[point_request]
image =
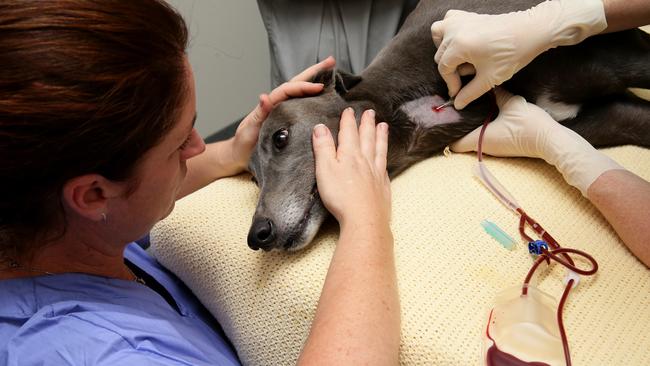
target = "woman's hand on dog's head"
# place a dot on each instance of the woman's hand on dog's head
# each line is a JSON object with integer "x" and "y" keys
{"x": 248, "y": 131}
{"x": 352, "y": 180}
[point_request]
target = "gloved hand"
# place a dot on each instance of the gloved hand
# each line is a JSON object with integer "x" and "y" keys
{"x": 500, "y": 45}
{"x": 524, "y": 129}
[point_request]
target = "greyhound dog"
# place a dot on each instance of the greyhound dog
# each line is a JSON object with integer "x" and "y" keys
{"x": 582, "y": 86}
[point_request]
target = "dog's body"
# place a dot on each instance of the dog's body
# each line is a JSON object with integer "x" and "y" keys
{"x": 582, "y": 86}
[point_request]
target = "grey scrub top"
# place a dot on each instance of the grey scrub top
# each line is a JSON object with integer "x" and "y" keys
{"x": 304, "y": 32}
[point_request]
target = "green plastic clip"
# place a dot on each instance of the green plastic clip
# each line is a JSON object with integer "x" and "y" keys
{"x": 499, "y": 235}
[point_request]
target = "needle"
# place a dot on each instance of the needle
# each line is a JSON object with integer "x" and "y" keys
{"x": 443, "y": 105}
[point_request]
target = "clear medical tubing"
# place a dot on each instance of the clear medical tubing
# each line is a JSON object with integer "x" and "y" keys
{"x": 492, "y": 184}
{"x": 481, "y": 171}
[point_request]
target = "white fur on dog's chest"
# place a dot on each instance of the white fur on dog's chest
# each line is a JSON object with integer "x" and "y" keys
{"x": 422, "y": 112}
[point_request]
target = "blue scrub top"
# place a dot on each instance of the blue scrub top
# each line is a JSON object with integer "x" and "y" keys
{"x": 78, "y": 319}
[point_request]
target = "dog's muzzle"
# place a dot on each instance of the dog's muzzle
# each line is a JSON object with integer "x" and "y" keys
{"x": 261, "y": 234}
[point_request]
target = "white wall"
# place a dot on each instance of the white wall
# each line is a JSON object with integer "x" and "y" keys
{"x": 230, "y": 57}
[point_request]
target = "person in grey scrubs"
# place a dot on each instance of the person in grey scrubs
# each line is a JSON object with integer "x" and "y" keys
{"x": 302, "y": 33}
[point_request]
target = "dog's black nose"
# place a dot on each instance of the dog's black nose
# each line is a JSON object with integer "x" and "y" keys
{"x": 261, "y": 234}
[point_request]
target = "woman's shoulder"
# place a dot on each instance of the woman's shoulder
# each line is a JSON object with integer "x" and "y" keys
{"x": 82, "y": 337}
{"x": 81, "y": 319}
{"x": 74, "y": 305}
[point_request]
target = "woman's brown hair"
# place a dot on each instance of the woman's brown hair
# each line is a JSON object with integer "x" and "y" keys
{"x": 86, "y": 86}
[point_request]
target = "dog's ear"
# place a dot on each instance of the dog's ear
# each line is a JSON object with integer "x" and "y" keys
{"x": 346, "y": 81}
{"x": 340, "y": 81}
{"x": 324, "y": 77}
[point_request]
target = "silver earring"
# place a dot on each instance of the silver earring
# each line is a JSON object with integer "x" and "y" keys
{"x": 104, "y": 219}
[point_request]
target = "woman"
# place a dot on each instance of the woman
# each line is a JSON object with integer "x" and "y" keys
{"x": 97, "y": 109}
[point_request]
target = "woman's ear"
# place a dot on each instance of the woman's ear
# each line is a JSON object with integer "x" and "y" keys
{"x": 88, "y": 195}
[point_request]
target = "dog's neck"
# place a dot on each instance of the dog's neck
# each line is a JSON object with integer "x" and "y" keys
{"x": 404, "y": 91}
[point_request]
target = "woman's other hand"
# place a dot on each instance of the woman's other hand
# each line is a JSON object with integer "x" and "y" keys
{"x": 249, "y": 129}
{"x": 352, "y": 179}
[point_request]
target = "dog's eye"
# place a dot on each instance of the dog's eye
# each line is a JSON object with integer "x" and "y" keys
{"x": 281, "y": 138}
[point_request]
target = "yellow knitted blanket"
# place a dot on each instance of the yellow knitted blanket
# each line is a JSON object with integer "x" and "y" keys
{"x": 449, "y": 269}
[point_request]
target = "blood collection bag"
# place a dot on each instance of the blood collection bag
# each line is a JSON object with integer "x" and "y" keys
{"x": 523, "y": 330}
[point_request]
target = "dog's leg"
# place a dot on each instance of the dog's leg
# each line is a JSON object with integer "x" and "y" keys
{"x": 617, "y": 120}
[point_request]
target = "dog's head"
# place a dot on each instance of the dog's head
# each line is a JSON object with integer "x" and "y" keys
{"x": 290, "y": 212}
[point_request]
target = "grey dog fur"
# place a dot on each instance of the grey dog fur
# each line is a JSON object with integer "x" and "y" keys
{"x": 595, "y": 74}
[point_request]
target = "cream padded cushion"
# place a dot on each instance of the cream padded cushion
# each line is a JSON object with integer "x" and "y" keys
{"x": 449, "y": 269}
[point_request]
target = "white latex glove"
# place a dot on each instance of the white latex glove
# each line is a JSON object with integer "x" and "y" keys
{"x": 500, "y": 45}
{"x": 524, "y": 129}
